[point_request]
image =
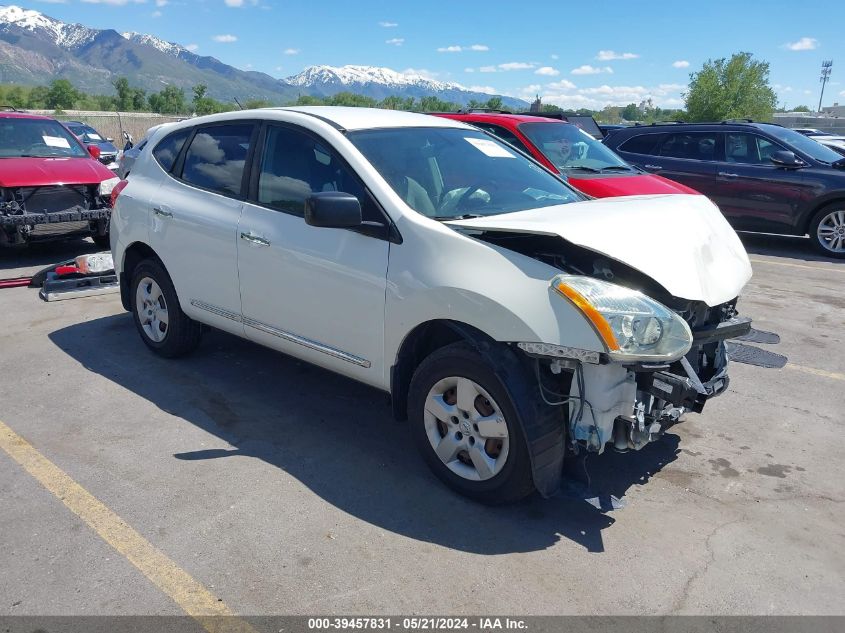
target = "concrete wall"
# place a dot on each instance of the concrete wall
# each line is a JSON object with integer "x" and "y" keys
{"x": 834, "y": 125}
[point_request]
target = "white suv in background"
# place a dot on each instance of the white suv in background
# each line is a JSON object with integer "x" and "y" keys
{"x": 508, "y": 317}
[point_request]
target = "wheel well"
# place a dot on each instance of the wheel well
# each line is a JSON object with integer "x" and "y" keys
{"x": 133, "y": 256}
{"x": 420, "y": 343}
{"x": 806, "y": 224}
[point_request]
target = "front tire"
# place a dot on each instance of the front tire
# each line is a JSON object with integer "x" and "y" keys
{"x": 827, "y": 230}
{"x": 162, "y": 325}
{"x": 466, "y": 427}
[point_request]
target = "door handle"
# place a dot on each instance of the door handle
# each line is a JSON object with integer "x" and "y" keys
{"x": 725, "y": 174}
{"x": 162, "y": 213}
{"x": 255, "y": 239}
{"x": 653, "y": 167}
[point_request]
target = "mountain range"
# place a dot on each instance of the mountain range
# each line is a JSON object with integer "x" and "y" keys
{"x": 36, "y": 49}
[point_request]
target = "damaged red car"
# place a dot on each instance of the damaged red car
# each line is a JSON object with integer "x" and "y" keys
{"x": 51, "y": 186}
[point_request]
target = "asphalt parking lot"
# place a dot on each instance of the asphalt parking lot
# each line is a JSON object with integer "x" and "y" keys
{"x": 280, "y": 488}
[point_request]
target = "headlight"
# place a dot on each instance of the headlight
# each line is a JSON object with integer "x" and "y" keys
{"x": 106, "y": 186}
{"x": 634, "y": 327}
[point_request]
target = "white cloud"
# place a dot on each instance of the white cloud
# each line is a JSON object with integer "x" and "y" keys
{"x": 804, "y": 44}
{"x": 681, "y": 63}
{"x": 606, "y": 56}
{"x": 487, "y": 69}
{"x": 586, "y": 69}
{"x": 53, "y": 1}
{"x": 156, "y": 14}
{"x": 479, "y": 47}
{"x": 225, "y": 38}
{"x": 450, "y": 49}
{"x": 161, "y": 3}
{"x": 531, "y": 90}
{"x": 469, "y": 70}
{"x": 454, "y": 48}
{"x": 291, "y": 51}
{"x": 239, "y": 3}
{"x": 515, "y": 66}
{"x": 841, "y": 94}
{"x": 563, "y": 84}
{"x": 809, "y": 92}
{"x": 485, "y": 89}
{"x": 782, "y": 88}
{"x": 192, "y": 47}
{"x": 388, "y": 25}
{"x": 547, "y": 70}
{"x": 395, "y": 41}
{"x": 553, "y": 56}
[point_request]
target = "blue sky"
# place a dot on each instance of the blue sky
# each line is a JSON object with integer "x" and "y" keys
{"x": 567, "y": 53}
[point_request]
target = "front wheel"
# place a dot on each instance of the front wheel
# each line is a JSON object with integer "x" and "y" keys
{"x": 466, "y": 427}
{"x": 827, "y": 230}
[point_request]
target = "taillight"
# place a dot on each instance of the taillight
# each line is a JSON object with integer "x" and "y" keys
{"x": 116, "y": 191}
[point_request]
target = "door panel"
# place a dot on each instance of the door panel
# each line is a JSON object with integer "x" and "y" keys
{"x": 315, "y": 293}
{"x": 753, "y": 193}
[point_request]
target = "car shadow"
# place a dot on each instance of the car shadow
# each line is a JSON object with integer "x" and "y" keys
{"x": 338, "y": 438}
{"x": 784, "y": 246}
{"x": 38, "y": 256}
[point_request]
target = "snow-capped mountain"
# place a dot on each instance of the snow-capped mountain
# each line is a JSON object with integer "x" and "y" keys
{"x": 67, "y": 36}
{"x": 378, "y": 83}
{"x": 168, "y": 48}
{"x": 363, "y": 75}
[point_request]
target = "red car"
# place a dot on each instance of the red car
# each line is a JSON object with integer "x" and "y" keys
{"x": 51, "y": 186}
{"x": 562, "y": 147}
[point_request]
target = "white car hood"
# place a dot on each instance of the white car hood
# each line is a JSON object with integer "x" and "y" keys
{"x": 681, "y": 241}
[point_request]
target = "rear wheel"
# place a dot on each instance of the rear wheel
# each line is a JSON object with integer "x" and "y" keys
{"x": 827, "y": 230}
{"x": 466, "y": 427}
{"x": 163, "y": 326}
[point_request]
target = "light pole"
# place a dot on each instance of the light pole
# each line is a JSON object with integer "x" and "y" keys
{"x": 825, "y": 76}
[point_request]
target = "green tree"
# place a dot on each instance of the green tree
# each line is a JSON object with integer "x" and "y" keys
{"x": 630, "y": 112}
{"x": 734, "y": 88}
{"x": 37, "y": 98}
{"x": 124, "y": 94}
{"x": 15, "y": 97}
{"x": 251, "y": 104}
{"x": 494, "y": 103}
{"x": 171, "y": 100}
{"x": 801, "y": 108}
{"x": 61, "y": 95}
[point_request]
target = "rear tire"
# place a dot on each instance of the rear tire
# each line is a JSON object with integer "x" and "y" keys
{"x": 162, "y": 325}
{"x": 466, "y": 427}
{"x": 827, "y": 230}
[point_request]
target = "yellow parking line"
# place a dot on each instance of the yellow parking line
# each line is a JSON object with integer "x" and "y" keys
{"x": 190, "y": 595}
{"x": 821, "y": 268}
{"x": 816, "y": 372}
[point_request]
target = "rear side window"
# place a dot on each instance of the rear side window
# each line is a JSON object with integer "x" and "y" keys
{"x": 169, "y": 147}
{"x": 216, "y": 157}
{"x": 693, "y": 146}
{"x": 504, "y": 134}
{"x": 640, "y": 144}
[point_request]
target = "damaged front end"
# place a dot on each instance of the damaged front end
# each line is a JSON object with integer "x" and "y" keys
{"x": 44, "y": 213}
{"x": 665, "y": 356}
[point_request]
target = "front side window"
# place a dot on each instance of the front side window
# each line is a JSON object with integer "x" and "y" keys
{"x": 749, "y": 149}
{"x": 37, "y": 138}
{"x": 216, "y": 157}
{"x": 569, "y": 147}
{"x": 168, "y": 148}
{"x": 296, "y": 165}
{"x": 689, "y": 145}
{"x": 446, "y": 173}
{"x": 504, "y": 134}
{"x": 808, "y": 146}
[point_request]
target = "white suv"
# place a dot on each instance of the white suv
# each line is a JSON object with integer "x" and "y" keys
{"x": 510, "y": 318}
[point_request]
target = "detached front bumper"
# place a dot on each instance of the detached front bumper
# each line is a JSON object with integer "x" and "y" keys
{"x": 70, "y": 215}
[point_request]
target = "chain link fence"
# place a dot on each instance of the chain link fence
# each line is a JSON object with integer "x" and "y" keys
{"x": 113, "y": 124}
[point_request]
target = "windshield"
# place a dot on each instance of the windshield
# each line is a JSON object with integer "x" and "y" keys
{"x": 568, "y": 147}
{"x": 802, "y": 143}
{"x": 448, "y": 173}
{"x": 37, "y": 138}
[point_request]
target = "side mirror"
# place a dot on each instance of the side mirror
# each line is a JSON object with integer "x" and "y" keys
{"x": 94, "y": 151}
{"x": 333, "y": 209}
{"x": 783, "y": 158}
{"x": 110, "y": 140}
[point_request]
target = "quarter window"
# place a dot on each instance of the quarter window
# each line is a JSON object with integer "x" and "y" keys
{"x": 695, "y": 146}
{"x": 295, "y": 165}
{"x": 216, "y": 157}
{"x": 168, "y": 149}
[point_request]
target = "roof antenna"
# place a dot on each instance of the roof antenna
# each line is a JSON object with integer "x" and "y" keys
{"x": 238, "y": 102}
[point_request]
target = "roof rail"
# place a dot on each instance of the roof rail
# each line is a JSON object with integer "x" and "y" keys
{"x": 670, "y": 122}
{"x": 8, "y": 108}
{"x": 488, "y": 110}
{"x": 738, "y": 120}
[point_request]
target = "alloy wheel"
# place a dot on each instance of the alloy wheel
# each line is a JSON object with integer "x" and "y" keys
{"x": 152, "y": 309}
{"x": 831, "y": 231}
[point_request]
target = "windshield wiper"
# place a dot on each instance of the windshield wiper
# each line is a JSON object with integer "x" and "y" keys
{"x": 582, "y": 168}
{"x": 465, "y": 216}
{"x": 617, "y": 168}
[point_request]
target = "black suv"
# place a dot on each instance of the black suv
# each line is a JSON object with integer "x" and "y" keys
{"x": 763, "y": 177}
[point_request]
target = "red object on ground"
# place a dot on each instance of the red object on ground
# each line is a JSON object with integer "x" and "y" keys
{"x": 15, "y": 283}
{"x": 603, "y": 185}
